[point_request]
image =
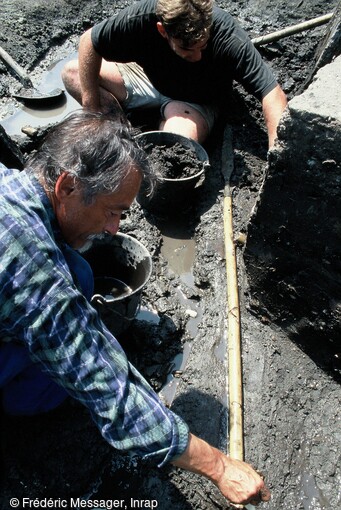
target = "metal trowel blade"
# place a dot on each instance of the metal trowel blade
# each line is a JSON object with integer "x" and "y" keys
{"x": 34, "y": 95}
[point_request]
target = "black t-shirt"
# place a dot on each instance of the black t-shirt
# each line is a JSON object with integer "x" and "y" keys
{"x": 132, "y": 36}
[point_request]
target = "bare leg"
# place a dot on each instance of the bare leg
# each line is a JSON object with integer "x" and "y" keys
{"x": 183, "y": 119}
{"x": 112, "y": 88}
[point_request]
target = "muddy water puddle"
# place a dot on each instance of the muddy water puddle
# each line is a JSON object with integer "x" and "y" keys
{"x": 148, "y": 314}
{"x": 180, "y": 255}
{"x": 43, "y": 115}
{"x": 168, "y": 392}
{"x": 311, "y": 496}
{"x": 179, "y": 252}
{"x": 194, "y": 313}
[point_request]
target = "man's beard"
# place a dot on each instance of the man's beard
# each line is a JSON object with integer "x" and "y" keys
{"x": 90, "y": 241}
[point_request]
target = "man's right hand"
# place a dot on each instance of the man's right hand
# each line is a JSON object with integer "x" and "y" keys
{"x": 237, "y": 480}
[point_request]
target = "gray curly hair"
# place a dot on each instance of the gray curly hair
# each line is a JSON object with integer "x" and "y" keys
{"x": 98, "y": 149}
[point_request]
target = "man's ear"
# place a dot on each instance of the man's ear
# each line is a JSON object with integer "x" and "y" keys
{"x": 161, "y": 29}
{"x": 64, "y": 186}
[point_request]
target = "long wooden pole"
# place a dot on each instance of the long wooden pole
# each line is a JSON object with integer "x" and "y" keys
{"x": 233, "y": 313}
{"x": 294, "y": 29}
{"x": 234, "y": 339}
{"x": 235, "y": 376}
{"x": 234, "y": 355}
{"x": 19, "y": 71}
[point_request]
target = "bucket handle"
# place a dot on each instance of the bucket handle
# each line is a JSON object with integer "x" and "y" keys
{"x": 99, "y": 299}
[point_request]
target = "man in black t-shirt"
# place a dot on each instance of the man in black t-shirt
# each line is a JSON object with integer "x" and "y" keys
{"x": 182, "y": 57}
{"x": 179, "y": 56}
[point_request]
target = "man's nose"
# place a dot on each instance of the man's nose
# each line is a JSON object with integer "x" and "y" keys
{"x": 112, "y": 226}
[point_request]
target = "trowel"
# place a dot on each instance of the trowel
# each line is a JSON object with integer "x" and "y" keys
{"x": 29, "y": 94}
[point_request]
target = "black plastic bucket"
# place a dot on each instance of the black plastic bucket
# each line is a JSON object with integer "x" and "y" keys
{"x": 121, "y": 267}
{"x": 171, "y": 192}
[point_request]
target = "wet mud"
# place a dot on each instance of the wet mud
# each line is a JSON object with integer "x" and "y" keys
{"x": 178, "y": 339}
{"x": 176, "y": 162}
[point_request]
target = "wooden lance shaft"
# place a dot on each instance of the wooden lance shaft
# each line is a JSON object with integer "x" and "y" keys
{"x": 19, "y": 71}
{"x": 234, "y": 379}
{"x": 234, "y": 340}
{"x": 294, "y": 29}
{"x": 234, "y": 357}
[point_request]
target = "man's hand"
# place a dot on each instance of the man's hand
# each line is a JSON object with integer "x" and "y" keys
{"x": 240, "y": 483}
{"x": 236, "y": 480}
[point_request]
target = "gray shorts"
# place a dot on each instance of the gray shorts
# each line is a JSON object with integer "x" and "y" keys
{"x": 142, "y": 94}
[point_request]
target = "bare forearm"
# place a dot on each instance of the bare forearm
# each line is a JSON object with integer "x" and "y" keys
{"x": 237, "y": 480}
{"x": 274, "y": 103}
{"x": 89, "y": 69}
{"x": 201, "y": 458}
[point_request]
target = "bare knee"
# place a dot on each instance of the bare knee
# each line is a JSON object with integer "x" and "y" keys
{"x": 70, "y": 79}
{"x": 184, "y": 120}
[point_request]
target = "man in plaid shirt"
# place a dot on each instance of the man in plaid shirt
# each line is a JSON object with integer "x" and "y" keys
{"x": 52, "y": 341}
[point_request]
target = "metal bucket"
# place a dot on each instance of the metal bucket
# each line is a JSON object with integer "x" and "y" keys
{"x": 121, "y": 267}
{"x": 175, "y": 192}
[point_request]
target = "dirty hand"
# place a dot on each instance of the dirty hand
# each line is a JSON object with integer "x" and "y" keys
{"x": 236, "y": 480}
{"x": 240, "y": 483}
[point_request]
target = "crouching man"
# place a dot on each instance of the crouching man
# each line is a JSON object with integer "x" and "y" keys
{"x": 52, "y": 341}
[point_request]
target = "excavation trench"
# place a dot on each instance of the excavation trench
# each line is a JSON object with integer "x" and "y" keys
{"x": 178, "y": 341}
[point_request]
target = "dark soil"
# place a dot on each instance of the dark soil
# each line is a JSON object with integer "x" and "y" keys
{"x": 175, "y": 162}
{"x": 291, "y": 399}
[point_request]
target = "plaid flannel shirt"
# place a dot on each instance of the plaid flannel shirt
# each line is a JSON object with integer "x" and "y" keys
{"x": 41, "y": 307}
